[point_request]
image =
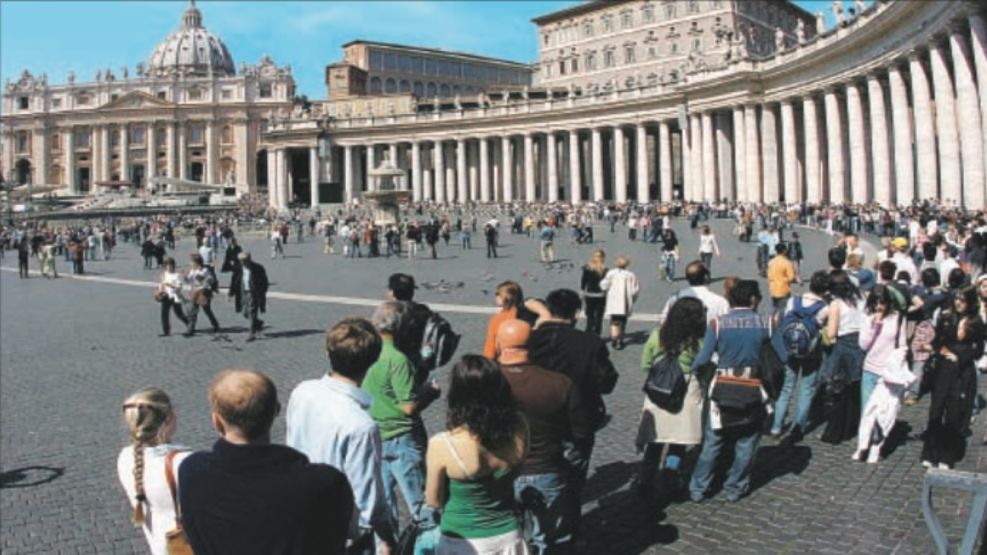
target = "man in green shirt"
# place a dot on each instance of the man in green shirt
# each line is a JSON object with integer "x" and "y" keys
{"x": 398, "y": 400}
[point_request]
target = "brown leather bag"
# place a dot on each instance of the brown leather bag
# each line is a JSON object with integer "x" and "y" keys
{"x": 159, "y": 296}
{"x": 176, "y": 541}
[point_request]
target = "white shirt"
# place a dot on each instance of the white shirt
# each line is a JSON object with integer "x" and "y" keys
{"x": 716, "y": 305}
{"x": 328, "y": 421}
{"x": 172, "y": 282}
{"x": 206, "y": 252}
{"x": 903, "y": 262}
{"x": 159, "y": 511}
{"x": 947, "y": 266}
{"x": 707, "y": 244}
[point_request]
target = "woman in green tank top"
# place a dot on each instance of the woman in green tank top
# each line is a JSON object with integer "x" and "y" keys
{"x": 471, "y": 466}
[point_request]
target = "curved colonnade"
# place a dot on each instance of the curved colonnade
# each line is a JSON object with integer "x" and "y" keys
{"x": 887, "y": 109}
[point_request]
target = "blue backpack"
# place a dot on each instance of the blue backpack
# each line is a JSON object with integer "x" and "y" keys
{"x": 799, "y": 329}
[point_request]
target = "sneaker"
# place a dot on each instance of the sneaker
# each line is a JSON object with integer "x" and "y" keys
{"x": 927, "y": 464}
{"x": 859, "y": 455}
{"x": 874, "y": 457}
{"x": 944, "y": 466}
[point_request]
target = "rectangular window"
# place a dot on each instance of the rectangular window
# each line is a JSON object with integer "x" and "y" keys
{"x": 195, "y": 135}
{"x": 697, "y": 44}
{"x": 82, "y": 138}
{"x": 195, "y": 94}
{"x": 23, "y": 102}
{"x": 574, "y": 65}
{"x": 23, "y": 142}
{"x": 717, "y": 4}
{"x": 227, "y": 94}
{"x": 114, "y": 137}
{"x": 693, "y": 6}
{"x": 55, "y": 141}
{"x": 137, "y": 135}
{"x": 162, "y": 95}
{"x": 56, "y": 103}
{"x": 608, "y": 23}
{"x": 162, "y": 136}
{"x": 669, "y": 10}
{"x": 626, "y": 20}
{"x": 562, "y": 67}
{"x": 608, "y": 58}
{"x": 265, "y": 90}
{"x": 673, "y": 48}
{"x": 648, "y": 12}
{"x": 82, "y": 100}
{"x": 588, "y": 29}
{"x": 629, "y": 57}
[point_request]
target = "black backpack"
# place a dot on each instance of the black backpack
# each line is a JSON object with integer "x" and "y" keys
{"x": 665, "y": 386}
{"x": 439, "y": 342}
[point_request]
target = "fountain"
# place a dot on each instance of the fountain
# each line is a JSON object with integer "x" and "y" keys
{"x": 385, "y": 194}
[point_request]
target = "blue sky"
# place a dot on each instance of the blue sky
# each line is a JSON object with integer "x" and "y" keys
{"x": 55, "y": 37}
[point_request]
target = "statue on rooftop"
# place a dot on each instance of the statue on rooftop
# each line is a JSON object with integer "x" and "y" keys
{"x": 779, "y": 39}
{"x": 800, "y": 31}
{"x": 820, "y": 22}
{"x": 838, "y": 12}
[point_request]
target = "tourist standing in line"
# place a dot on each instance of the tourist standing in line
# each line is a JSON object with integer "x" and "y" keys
{"x": 472, "y": 465}
{"x": 665, "y": 436}
{"x": 247, "y": 495}
{"x": 842, "y": 366}
{"x": 708, "y": 247}
{"x": 697, "y": 275}
{"x": 959, "y": 343}
{"x": 327, "y": 419}
{"x": 781, "y": 276}
{"x": 546, "y": 237}
{"x": 553, "y": 408}
{"x": 143, "y": 466}
{"x": 594, "y": 297}
{"x": 490, "y": 233}
{"x": 622, "y": 289}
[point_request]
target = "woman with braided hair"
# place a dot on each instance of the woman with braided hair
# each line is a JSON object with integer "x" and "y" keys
{"x": 151, "y": 422}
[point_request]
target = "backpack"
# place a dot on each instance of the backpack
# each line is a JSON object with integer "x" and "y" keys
{"x": 439, "y": 342}
{"x": 665, "y": 386}
{"x": 799, "y": 329}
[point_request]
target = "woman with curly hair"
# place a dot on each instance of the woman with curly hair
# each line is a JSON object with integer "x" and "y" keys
{"x": 142, "y": 465}
{"x": 473, "y": 464}
{"x": 664, "y": 434}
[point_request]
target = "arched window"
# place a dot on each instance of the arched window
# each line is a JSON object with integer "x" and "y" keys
{"x": 419, "y": 89}
{"x": 444, "y": 90}
{"x": 226, "y": 135}
{"x": 390, "y": 86}
{"x": 431, "y": 90}
{"x": 404, "y": 86}
{"x": 375, "y": 85}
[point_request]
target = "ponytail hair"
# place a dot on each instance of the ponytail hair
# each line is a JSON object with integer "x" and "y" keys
{"x": 146, "y": 414}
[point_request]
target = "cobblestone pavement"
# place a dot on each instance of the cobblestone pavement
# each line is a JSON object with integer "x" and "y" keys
{"x": 71, "y": 350}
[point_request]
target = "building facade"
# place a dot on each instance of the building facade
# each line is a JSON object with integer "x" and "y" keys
{"x": 887, "y": 106}
{"x": 187, "y": 113}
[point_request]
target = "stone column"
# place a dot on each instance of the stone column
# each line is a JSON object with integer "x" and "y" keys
{"x": 151, "y": 156}
{"x": 416, "y": 171}
{"x": 946, "y": 130}
{"x": 904, "y": 170}
{"x": 813, "y": 162}
{"x": 858, "y": 143}
{"x": 710, "y": 189}
{"x": 880, "y": 153}
{"x": 529, "y": 167}
{"x": 740, "y": 153}
{"x": 508, "y": 169}
{"x": 211, "y": 153}
{"x": 313, "y": 175}
{"x": 439, "y": 171}
{"x": 834, "y": 148}
{"x": 95, "y": 167}
{"x": 620, "y": 164}
{"x": 722, "y": 123}
{"x": 695, "y": 187}
{"x": 484, "y": 170}
{"x": 105, "y": 153}
{"x": 789, "y": 153}
{"x": 170, "y": 150}
{"x": 967, "y": 104}
{"x": 348, "y": 188}
{"x": 182, "y": 151}
{"x": 643, "y": 179}
{"x": 392, "y": 152}
{"x": 552, "y": 156}
{"x": 769, "y": 154}
{"x": 978, "y": 37}
{"x": 575, "y": 169}
{"x": 283, "y": 193}
{"x": 69, "y": 147}
{"x": 665, "y": 161}
{"x": 273, "y": 187}
{"x": 369, "y": 182}
{"x": 246, "y": 158}
{"x": 496, "y": 171}
{"x": 124, "y": 152}
{"x": 752, "y": 166}
{"x": 473, "y": 163}
{"x": 597, "y": 163}
{"x": 925, "y": 135}
{"x": 462, "y": 178}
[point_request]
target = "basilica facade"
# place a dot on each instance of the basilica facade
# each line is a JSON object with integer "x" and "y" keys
{"x": 636, "y": 100}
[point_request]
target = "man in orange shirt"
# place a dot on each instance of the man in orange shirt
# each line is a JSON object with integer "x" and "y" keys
{"x": 781, "y": 275}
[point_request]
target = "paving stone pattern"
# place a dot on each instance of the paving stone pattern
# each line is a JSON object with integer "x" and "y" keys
{"x": 72, "y": 350}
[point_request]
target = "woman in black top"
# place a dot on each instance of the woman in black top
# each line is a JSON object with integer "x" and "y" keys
{"x": 959, "y": 342}
{"x": 595, "y": 298}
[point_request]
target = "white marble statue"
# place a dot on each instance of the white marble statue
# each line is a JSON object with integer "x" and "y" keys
{"x": 71, "y": 78}
{"x": 820, "y": 22}
{"x": 457, "y": 103}
{"x": 838, "y": 12}
{"x": 99, "y": 75}
{"x": 800, "y": 31}
{"x": 779, "y": 39}
{"x": 123, "y": 72}
{"x": 860, "y": 5}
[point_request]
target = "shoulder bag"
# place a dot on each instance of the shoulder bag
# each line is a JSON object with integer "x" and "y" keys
{"x": 176, "y": 542}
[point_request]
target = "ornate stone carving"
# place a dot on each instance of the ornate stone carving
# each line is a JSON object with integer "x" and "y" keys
{"x": 99, "y": 75}
{"x": 70, "y": 78}
{"x": 779, "y": 39}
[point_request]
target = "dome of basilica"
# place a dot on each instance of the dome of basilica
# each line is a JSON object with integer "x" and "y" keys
{"x": 191, "y": 49}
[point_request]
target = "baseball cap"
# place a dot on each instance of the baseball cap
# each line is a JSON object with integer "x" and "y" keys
{"x": 900, "y": 243}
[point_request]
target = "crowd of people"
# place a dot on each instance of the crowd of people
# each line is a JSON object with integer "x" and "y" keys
{"x": 839, "y": 353}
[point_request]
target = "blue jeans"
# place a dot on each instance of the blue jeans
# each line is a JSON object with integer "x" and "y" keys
{"x": 745, "y": 442}
{"x": 806, "y": 376}
{"x": 403, "y": 465}
{"x": 867, "y": 384}
{"x": 669, "y": 267}
{"x": 544, "y": 500}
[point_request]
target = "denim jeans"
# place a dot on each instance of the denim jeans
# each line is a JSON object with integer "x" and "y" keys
{"x": 867, "y": 384}
{"x": 543, "y": 498}
{"x": 669, "y": 267}
{"x": 805, "y": 373}
{"x": 745, "y": 442}
{"x": 403, "y": 465}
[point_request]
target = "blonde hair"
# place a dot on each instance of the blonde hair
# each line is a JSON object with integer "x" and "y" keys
{"x": 510, "y": 292}
{"x": 854, "y": 261}
{"x": 598, "y": 262}
{"x": 146, "y": 414}
{"x": 622, "y": 262}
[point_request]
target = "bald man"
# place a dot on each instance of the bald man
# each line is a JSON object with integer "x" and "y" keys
{"x": 249, "y": 496}
{"x": 552, "y": 405}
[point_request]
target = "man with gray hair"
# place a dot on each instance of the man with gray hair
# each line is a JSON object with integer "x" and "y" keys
{"x": 398, "y": 400}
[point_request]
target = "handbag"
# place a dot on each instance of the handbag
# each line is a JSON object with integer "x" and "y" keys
{"x": 160, "y": 296}
{"x": 418, "y": 539}
{"x": 176, "y": 542}
{"x": 201, "y": 297}
{"x": 739, "y": 399}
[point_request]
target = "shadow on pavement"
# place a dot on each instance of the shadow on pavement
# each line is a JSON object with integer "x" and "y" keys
{"x": 30, "y": 476}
